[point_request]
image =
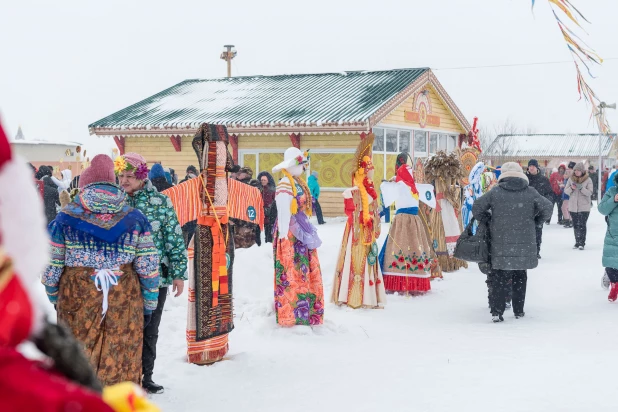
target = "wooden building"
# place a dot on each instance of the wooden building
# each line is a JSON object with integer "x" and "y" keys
{"x": 407, "y": 109}
{"x": 551, "y": 149}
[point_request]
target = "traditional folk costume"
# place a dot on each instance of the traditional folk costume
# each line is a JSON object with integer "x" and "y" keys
{"x": 424, "y": 212}
{"x": 212, "y": 199}
{"x": 358, "y": 281}
{"x": 65, "y": 380}
{"x": 446, "y": 225}
{"x": 472, "y": 191}
{"x": 406, "y": 258}
{"x": 299, "y": 294}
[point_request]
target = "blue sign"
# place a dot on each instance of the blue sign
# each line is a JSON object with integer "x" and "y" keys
{"x": 251, "y": 213}
{"x": 428, "y": 195}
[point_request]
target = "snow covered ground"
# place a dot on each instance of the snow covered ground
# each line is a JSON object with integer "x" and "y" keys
{"x": 438, "y": 352}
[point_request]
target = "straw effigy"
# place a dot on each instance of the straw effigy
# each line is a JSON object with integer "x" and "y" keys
{"x": 445, "y": 171}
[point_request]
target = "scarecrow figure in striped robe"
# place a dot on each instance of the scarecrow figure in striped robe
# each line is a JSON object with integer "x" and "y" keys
{"x": 212, "y": 199}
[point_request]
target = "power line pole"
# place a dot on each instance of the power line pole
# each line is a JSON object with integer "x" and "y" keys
{"x": 228, "y": 55}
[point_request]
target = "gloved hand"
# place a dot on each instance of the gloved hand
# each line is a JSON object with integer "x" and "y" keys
{"x": 147, "y": 319}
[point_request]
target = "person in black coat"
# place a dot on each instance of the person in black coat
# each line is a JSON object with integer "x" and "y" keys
{"x": 51, "y": 198}
{"x": 157, "y": 178}
{"x": 542, "y": 185}
{"x": 514, "y": 210}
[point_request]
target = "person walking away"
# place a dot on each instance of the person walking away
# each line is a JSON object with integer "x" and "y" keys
{"x": 51, "y": 196}
{"x": 611, "y": 182}
{"x": 579, "y": 188}
{"x": 557, "y": 184}
{"x": 542, "y": 185}
{"x": 268, "y": 189}
{"x": 594, "y": 176}
{"x": 608, "y": 208}
{"x": 565, "y": 197}
{"x": 314, "y": 187}
{"x": 514, "y": 210}
{"x": 103, "y": 274}
{"x": 157, "y": 178}
{"x": 132, "y": 173}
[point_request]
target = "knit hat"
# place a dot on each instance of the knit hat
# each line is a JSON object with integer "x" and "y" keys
{"x": 247, "y": 170}
{"x": 192, "y": 169}
{"x": 591, "y": 167}
{"x": 534, "y": 162}
{"x": 156, "y": 171}
{"x": 131, "y": 162}
{"x": 314, "y": 174}
{"x": 512, "y": 169}
{"x": 562, "y": 165}
{"x": 571, "y": 165}
{"x": 580, "y": 166}
{"x": 101, "y": 169}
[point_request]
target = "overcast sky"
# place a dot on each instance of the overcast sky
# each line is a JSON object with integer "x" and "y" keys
{"x": 65, "y": 64}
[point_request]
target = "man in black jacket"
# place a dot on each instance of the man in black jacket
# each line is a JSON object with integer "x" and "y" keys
{"x": 542, "y": 185}
{"x": 514, "y": 210}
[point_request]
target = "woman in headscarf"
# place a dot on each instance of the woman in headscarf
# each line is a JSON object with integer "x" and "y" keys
{"x": 103, "y": 275}
{"x": 299, "y": 294}
{"x": 267, "y": 188}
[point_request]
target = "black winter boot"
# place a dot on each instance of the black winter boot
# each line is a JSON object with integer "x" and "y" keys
{"x": 151, "y": 387}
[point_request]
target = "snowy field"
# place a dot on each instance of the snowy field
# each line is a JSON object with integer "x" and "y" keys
{"x": 438, "y": 352}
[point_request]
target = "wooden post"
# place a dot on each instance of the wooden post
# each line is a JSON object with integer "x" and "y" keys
{"x": 176, "y": 142}
{"x": 295, "y": 139}
{"x": 119, "y": 140}
{"x": 234, "y": 144}
{"x": 228, "y": 55}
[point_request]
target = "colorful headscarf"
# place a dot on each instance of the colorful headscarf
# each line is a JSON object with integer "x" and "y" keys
{"x": 131, "y": 162}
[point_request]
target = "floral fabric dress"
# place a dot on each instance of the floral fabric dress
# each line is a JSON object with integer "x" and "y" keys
{"x": 299, "y": 294}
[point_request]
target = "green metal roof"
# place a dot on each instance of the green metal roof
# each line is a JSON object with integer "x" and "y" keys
{"x": 267, "y": 101}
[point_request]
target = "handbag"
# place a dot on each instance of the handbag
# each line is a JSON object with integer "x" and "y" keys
{"x": 473, "y": 247}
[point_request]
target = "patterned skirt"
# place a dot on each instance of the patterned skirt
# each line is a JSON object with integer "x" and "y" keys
{"x": 299, "y": 294}
{"x": 209, "y": 321}
{"x": 406, "y": 257}
{"x": 113, "y": 343}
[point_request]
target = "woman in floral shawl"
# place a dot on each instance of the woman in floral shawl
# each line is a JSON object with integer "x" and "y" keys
{"x": 299, "y": 295}
{"x": 104, "y": 274}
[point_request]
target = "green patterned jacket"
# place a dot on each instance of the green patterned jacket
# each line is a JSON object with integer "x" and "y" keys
{"x": 166, "y": 231}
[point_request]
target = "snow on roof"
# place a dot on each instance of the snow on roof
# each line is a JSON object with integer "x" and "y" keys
{"x": 45, "y": 142}
{"x": 327, "y": 98}
{"x": 549, "y": 145}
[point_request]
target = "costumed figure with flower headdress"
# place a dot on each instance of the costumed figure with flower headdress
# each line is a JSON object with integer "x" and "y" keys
{"x": 299, "y": 294}
{"x": 211, "y": 199}
{"x": 358, "y": 281}
{"x": 406, "y": 258}
{"x": 65, "y": 379}
{"x": 446, "y": 224}
{"x": 472, "y": 191}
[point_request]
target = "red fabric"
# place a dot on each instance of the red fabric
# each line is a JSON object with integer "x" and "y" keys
{"x": 15, "y": 313}
{"x": 27, "y": 385}
{"x": 5, "y": 148}
{"x": 613, "y": 293}
{"x": 406, "y": 284}
{"x": 349, "y": 208}
{"x": 555, "y": 179}
{"x": 404, "y": 175}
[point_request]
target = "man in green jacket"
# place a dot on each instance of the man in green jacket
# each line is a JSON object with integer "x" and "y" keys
{"x": 132, "y": 173}
{"x": 314, "y": 188}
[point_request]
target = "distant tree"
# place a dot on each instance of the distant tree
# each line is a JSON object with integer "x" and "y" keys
{"x": 499, "y": 137}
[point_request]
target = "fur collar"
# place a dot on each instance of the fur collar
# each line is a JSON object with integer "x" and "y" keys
{"x": 581, "y": 179}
